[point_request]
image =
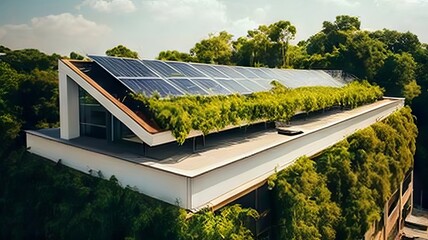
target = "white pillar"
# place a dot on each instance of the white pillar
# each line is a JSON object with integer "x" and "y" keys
{"x": 68, "y": 107}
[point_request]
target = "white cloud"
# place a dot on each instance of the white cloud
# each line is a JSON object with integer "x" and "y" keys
{"x": 258, "y": 17}
{"x": 118, "y": 6}
{"x": 345, "y": 3}
{"x": 403, "y": 1}
{"x": 172, "y": 10}
{"x": 241, "y": 26}
{"x": 61, "y": 33}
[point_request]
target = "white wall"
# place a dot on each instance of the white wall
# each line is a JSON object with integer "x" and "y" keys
{"x": 68, "y": 107}
{"x": 159, "y": 184}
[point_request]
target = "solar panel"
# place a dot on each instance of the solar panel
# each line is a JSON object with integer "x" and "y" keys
{"x": 186, "y": 69}
{"x": 138, "y": 68}
{"x": 124, "y": 67}
{"x": 234, "y": 86}
{"x": 209, "y": 70}
{"x": 253, "y": 86}
{"x": 245, "y": 72}
{"x": 187, "y": 86}
{"x": 161, "y": 68}
{"x": 112, "y": 65}
{"x": 150, "y": 86}
{"x": 177, "y": 78}
{"x": 228, "y": 71}
{"x": 259, "y": 72}
{"x": 266, "y": 83}
{"x": 212, "y": 86}
{"x": 272, "y": 73}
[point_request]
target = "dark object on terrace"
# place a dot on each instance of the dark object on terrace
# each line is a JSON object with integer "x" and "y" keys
{"x": 289, "y": 132}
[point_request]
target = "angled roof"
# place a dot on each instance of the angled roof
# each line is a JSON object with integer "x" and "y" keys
{"x": 110, "y": 80}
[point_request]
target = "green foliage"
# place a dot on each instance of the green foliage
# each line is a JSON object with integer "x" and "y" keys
{"x": 175, "y": 55}
{"x": 265, "y": 46}
{"x": 26, "y": 60}
{"x": 10, "y": 125}
{"x": 229, "y": 223}
{"x": 398, "y": 42}
{"x": 121, "y": 51}
{"x": 398, "y": 76}
{"x": 411, "y": 90}
{"x": 215, "y": 49}
{"x": 76, "y": 56}
{"x": 362, "y": 172}
{"x": 28, "y": 92}
{"x": 304, "y": 206}
{"x": 210, "y": 113}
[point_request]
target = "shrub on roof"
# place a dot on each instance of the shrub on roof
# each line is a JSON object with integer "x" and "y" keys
{"x": 211, "y": 113}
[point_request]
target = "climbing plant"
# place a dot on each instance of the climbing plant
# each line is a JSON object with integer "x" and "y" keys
{"x": 340, "y": 193}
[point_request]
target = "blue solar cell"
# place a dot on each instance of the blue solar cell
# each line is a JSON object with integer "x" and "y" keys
{"x": 186, "y": 69}
{"x": 245, "y": 72}
{"x": 162, "y": 68}
{"x": 124, "y": 67}
{"x": 187, "y": 86}
{"x": 233, "y": 86}
{"x": 228, "y": 71}
{"x": 142, "y": 76}
{"x": 149, "y": 86}
{"x": 212, "y": 86}
{"x": 139, "y": 68}
{"x": 113, "y": 65}
{"x": 209, "y": 70}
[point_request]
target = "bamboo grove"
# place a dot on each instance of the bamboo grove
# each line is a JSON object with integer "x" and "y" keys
{"x": 213, "y": 113}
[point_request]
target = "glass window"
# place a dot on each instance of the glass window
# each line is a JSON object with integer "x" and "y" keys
{"x": 93, "y": 116}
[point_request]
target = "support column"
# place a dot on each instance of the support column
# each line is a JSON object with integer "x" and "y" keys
{"x": 68, "y": 107}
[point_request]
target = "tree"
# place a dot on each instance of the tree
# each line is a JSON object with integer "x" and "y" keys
{"x": 397, "y": 42}
{"x": 76, "y": 56}
{"x": 10, "y": 124}
{"x": 216, "y": 49}
{"x": 229, "y": 223}
{"x": 265, "y": 46}
{"x": 304, "y": 205}
{"x": 282, "y": 32}
{"x": 26, "y": 60}
{"x": 174, "y": 55}
{"x": 121, "y": 51}
{"x": 397, "y": 75}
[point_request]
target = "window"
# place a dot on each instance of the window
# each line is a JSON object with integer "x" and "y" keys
{"x": 93, "y": 116}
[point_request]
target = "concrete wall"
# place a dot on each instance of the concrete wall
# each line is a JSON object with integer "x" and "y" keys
{"x": 159, "y": 184}
{"x": 69, "y": 107}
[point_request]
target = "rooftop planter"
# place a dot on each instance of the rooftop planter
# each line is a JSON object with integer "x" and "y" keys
{"x": 210, "y": 113}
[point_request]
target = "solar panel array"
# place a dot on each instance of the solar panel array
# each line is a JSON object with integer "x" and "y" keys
{"x": 168, "y": 78}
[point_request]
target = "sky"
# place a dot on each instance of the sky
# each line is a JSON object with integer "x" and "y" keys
{"x": 151, "y": 26}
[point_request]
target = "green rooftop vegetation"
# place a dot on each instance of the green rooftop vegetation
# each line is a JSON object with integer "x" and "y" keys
{"x": 213, "y": 113}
